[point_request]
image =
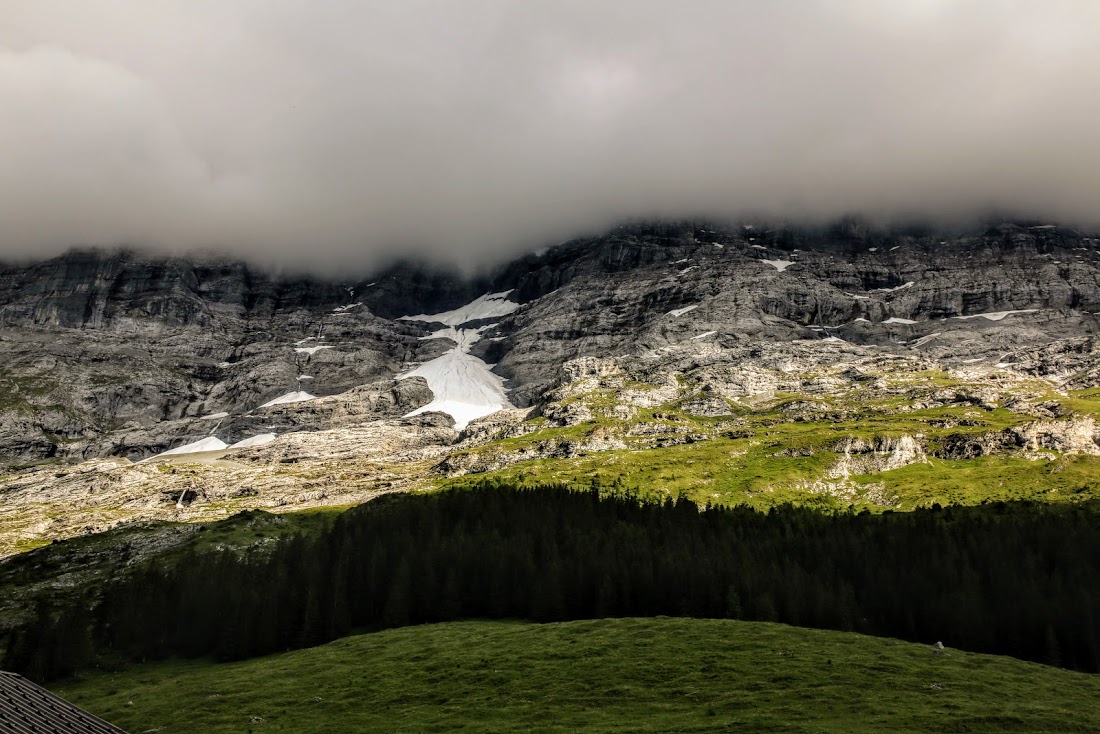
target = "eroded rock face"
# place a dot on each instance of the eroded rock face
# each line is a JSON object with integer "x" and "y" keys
{"x": 386, "y": 399}
{"x": 885, "y": 453}
{"x": 1075, "y": 436}
{"x": 620, "y": 339}
{"x": 641, "y": 288}
{"x": 118, "y": 354}
{"x": 101, "y": 344}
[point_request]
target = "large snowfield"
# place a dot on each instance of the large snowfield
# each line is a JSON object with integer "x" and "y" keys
{"x": 464, "y": 387}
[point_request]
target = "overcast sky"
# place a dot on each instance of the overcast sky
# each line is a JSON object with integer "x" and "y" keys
{"x": 332, "y": 134}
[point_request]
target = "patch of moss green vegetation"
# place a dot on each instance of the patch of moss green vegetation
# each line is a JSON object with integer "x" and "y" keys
{"x": 28, "y": 545}
{"x": 993, "y": 478}
{"x": 939, "y": 378}
{"x": 1082, "y": 402}
{"x": 55, "y": 438}
{"x": 747, "y": 471}
{"x": 16, "y": 389}
{"x": 720, "y": 471}
{"x": 11, "y": 468}
{"x": 34, "y": 385}
{"x": 781, "y": 450}
{"x": 613, "y": 675}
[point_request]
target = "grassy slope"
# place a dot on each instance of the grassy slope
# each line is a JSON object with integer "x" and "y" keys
{"x": 769, "y": 457}
{"x": 717, "y": 472}
{"x": 661, "y": 675}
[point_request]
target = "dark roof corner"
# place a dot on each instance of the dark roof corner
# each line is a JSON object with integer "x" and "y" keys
{"x": 26, "y": 708}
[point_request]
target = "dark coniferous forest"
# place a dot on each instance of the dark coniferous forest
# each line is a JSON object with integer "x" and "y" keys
{"x": 1015, "y": 579}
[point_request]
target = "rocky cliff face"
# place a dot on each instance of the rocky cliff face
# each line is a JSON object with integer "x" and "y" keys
{"x": 644, "y": 337}
{"x": 98, "y": 344}
{"x": 642, "y": 288}
{"x": 99, "y": 348}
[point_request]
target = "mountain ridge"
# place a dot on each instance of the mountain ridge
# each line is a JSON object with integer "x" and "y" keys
{"x": 645, "y": 337}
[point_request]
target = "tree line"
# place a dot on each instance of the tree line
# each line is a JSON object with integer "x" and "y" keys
{"x": 1020, "y": 579}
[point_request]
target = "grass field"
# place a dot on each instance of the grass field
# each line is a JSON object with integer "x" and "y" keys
{"x": 736, "y": 472}
{"x": 623, "y": 675}
{"x": 766, "y": 455}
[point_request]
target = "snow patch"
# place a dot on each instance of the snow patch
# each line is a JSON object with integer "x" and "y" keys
{"x": 995, "y": 315}
{"x": 924, "y": 339}
{"x": 779, "y": 265}
{"x": 898, "y": 320}
{"x": 214, "y": 416}
{"x": 311, "y": 350}
{"x": 704, "y": 335}
{"x": 677, "y": 312}
{"x": 260, "y": 440}
{"x": 901, "y": 287}
{"x": 489, "y": 306}
{"x": 298, "y": 396}
{"x": 210, "y": 443}
{"x": 463, "y": 386}
{"x": 448, "y": 332}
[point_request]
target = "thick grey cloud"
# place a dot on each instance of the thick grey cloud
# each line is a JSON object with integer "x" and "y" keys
{"x": 336, "y": 133}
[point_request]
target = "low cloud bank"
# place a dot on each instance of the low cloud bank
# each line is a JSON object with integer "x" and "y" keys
{"x": 339, "y": 135}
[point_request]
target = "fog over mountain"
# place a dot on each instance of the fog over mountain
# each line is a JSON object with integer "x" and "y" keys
{"x": 338, "y": 134}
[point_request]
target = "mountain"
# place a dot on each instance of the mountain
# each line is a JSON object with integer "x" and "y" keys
{"x": 844, "y": 364}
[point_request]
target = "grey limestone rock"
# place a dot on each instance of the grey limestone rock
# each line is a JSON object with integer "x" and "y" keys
{"x": 120, "y": 353}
